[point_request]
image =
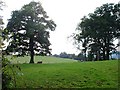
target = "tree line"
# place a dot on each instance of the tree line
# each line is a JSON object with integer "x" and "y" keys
{"x": 69, "y": 56}
{"x": 97, "y": 32}
{"x": 28, "y": 32}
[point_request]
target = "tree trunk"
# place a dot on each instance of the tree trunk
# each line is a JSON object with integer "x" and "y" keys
{"x": 107, "y": 56}
{"x": 85, "y": 55}
{"x": 108, "y": 49}
{"x": 98, "y": 55}
{"x": 104, "y": 53}
{"x": 105, "y": 49}
{"x": 31, "y": 50}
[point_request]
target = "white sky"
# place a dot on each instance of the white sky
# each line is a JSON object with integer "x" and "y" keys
{"x": 65, "y": 13}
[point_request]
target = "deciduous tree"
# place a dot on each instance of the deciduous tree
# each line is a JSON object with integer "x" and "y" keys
{"x": 28, "y": 30}
{"x": 98, "y": 31}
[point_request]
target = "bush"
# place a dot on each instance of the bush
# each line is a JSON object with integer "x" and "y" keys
{"x": 8, "y": 73}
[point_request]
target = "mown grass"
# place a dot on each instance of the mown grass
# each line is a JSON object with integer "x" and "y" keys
{"x": 99, "y": 74}
{"x": 44, "y": 59}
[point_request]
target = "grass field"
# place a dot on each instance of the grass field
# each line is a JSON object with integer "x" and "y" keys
{"x": 66, "y": 73}
{"x": 44, "y": 59}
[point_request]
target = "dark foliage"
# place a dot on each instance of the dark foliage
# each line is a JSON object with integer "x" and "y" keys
{"x": 28, "y": 31}
{"x": 97, "y": 32}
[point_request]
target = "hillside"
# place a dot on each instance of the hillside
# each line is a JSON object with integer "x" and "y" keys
{"x": 44, "y": 59}
{"x": 98, "y": 74}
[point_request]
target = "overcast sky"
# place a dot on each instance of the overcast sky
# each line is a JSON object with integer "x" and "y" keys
{"x": 65, "y": 13}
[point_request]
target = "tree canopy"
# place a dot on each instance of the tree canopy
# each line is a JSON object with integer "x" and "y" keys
{"x": 98, "y": 30}
{"x": 28, "y": 30}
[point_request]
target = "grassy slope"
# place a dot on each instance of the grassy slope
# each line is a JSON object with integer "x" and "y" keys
{"x": 44, "y": 59}
{"x": 102, "y": 74}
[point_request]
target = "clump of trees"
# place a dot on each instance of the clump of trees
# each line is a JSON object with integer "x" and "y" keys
{"x": 65, "y": 55}
{"x": 80, "y": 56}
{"x": 28, "y": 31}
{"x": 97, "y": 32}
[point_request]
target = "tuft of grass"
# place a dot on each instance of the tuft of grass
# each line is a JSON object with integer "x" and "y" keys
{"x": 99, "y": 74}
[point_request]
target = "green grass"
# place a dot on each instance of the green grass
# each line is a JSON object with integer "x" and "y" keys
{"x": 99, "y": 74}
{"x": 44, "y": 59}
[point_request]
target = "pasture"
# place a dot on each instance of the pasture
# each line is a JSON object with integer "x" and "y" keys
{"x": 44, "y": 59}
{"x": 66, "y": 73}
